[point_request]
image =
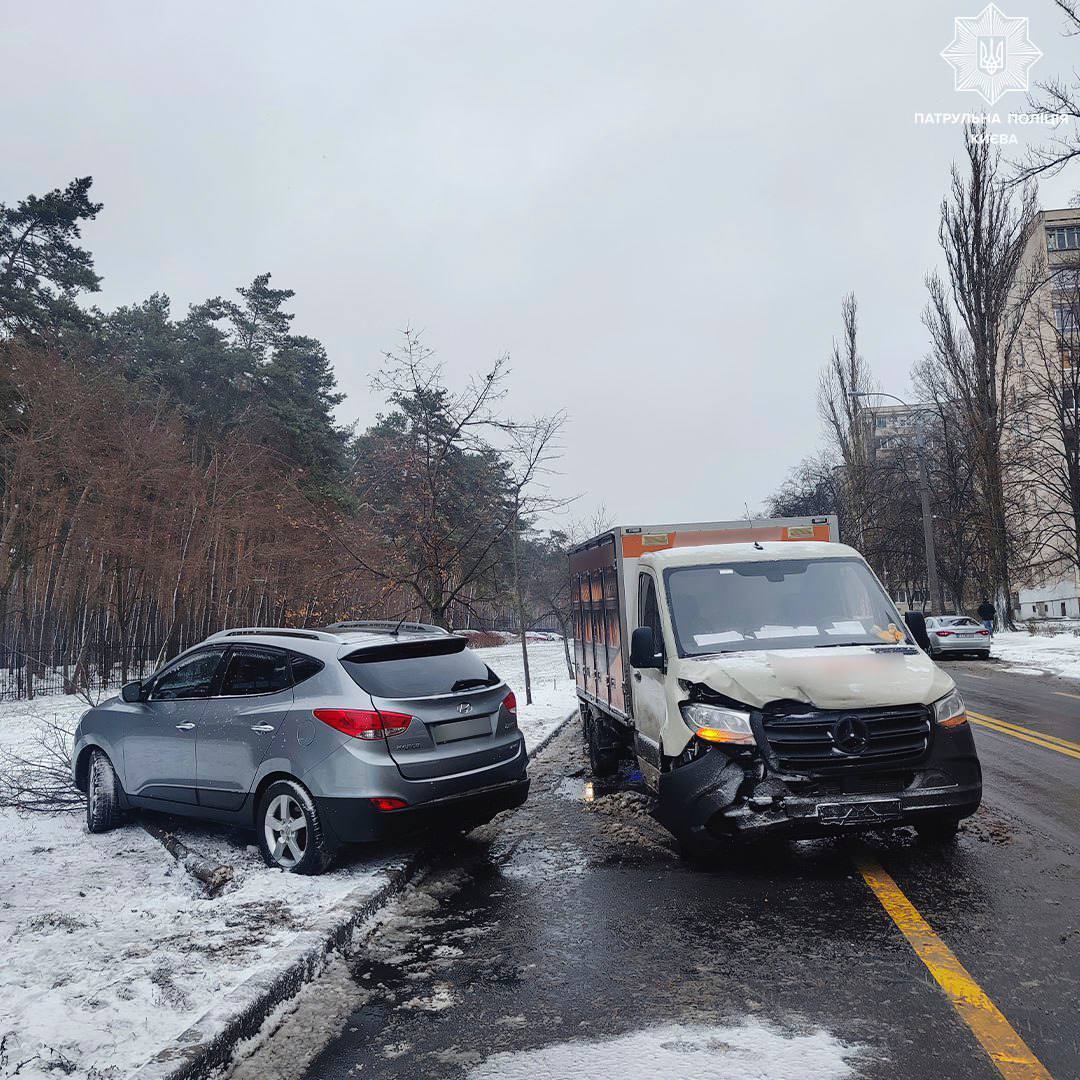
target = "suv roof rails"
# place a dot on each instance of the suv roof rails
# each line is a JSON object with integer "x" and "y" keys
{"x": 385, "y": 626}
{"x": 274, "y": 631}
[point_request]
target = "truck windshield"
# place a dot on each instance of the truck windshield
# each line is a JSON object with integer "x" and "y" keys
{"x": 781, "y": 604}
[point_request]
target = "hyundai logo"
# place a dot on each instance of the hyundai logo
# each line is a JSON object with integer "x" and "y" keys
{"x": 850, "y": 736}
{"x": 464, "y": 708}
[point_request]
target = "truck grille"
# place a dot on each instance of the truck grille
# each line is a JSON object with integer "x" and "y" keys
{"x": 807, "y": 738}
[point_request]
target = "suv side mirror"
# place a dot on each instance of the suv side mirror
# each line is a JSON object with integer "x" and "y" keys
{"x": 916, "y": 623}
{"x": 643, "y": 651}
{"x": 131, "y": 692}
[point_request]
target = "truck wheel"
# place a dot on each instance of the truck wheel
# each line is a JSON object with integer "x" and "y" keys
{"x": 603, "y": 759}
{"x": 938, "y": 830}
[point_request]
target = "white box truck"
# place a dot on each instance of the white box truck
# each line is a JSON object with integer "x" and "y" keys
{"x": 764, "y": 683}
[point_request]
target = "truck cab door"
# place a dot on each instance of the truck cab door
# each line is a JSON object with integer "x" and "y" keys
{"x": 648, "y": 686}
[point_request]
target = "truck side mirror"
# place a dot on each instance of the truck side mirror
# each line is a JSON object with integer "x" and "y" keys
{"x": 131, "y": 692}
{"x": 916, "y": 623}
{"x": 643, "y": 651}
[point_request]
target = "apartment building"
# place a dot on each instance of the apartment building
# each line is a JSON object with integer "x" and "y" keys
{"x": 1047, "y": 343}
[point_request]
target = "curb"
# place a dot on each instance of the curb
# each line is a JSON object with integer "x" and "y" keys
{"x": 210, "y": 1042}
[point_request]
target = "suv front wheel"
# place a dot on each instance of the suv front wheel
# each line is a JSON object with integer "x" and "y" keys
{"x": 291, "y": 835}
{"x": 102, "y": 794}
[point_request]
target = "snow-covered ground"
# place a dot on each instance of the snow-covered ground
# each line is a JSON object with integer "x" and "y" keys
{"x": 752, "y": 1051}
{"x": 110, "y": 948}
{"x": 1039, "y": 654}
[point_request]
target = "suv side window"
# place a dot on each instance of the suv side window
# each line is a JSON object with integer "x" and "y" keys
{"x": 303, "y": 667}
{"x": 191, "y": 678}
{"x": 649, "y": 609}
{"x": 254, "y": 671}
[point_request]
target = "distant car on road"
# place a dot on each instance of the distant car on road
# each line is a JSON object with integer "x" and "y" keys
{"x": 953, "y": 635}
{"x": 314, "y": 738}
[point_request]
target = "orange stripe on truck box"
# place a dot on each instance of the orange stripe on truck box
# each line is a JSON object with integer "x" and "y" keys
{"x": 634, "y": 545}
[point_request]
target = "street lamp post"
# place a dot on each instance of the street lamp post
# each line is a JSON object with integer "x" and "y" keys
{"x": 924, "y": 499}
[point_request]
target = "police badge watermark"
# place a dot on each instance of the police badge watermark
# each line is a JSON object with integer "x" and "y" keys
{"x": 991, "y": 55}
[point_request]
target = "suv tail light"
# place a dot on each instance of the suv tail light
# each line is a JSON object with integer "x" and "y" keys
{"x": 365, "y": 723}
{"x": 509, "y": 703}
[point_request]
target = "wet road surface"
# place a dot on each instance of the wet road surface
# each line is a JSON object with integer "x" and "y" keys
{"x": 571, "y": 921}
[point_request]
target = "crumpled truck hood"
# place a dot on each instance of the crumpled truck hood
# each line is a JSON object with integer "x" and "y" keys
{"x": 843, "y": 678}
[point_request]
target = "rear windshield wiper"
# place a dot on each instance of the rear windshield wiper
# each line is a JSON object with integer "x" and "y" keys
{"x": 470, "y": 684}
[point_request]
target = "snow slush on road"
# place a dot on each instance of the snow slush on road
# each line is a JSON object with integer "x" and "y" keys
{"x": 765, "y": 684}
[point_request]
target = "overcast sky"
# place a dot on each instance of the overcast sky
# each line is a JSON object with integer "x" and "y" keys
{"x": 654, "y": 208}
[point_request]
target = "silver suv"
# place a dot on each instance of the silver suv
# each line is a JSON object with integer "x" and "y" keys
{"x": 315, "y": 738}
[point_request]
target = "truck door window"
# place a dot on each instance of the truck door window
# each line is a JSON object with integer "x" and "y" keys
{"x": 649, "y": 609}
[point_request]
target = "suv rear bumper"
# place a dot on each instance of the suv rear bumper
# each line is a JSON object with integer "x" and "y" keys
{"x": 355, "y": 820}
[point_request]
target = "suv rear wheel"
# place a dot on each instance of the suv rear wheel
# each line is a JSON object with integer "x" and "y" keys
{"x": 291, "y": 834}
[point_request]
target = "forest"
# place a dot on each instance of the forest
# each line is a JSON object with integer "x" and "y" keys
{"x": 167, "y": 474}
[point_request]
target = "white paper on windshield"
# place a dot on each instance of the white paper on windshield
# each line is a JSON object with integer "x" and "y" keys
{"x": 718, "y": 639}
{"x": 787, "y": 631}
{"x": 851, "y": 626}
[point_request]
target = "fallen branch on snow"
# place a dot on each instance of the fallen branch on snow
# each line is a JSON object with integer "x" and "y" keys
{"x": 39, "y": 781}
{"x": 213, "y": 878}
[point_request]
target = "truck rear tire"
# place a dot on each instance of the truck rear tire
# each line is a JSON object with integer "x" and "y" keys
{"x": 603, "y": 757}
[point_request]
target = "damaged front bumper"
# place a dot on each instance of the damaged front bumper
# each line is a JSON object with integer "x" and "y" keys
{"x": 718, "y": 796}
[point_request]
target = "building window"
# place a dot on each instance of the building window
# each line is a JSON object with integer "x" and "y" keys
{"x": 1062, "y": 607}
{"x": 1065, "y": 319}
{"x": 880, "y": 422}
{"x": 1064, "y": 238}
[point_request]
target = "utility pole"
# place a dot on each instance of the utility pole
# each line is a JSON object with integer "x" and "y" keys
{"x": 933, "y": 582}
{"x": 928, "y": 535}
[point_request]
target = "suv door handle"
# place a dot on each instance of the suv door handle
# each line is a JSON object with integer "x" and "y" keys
{"x": 184, "y": 727}
{"x": 262, "y": 727}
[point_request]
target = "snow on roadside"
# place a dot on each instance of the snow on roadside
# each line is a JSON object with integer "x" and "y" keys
{"x": 752, "y": 1050}
{"x": 552, "y": 688}
{"x": 111, "y": 950}
{"x": 1038, "y": 654}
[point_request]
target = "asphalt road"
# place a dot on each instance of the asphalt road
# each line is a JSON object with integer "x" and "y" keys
{"x": 575, "y": 922}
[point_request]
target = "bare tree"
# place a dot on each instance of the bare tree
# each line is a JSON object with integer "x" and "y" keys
{"x": 1059, "y": 98}
{"x": 445, "y": 483}
{"x": 844, "y": 378}
{"x": 974, "y": 319}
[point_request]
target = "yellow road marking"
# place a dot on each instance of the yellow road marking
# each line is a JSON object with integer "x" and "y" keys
{"x": 1028, "y": 731}
{"x": 996, "y": 1035}
{"x": 1047, "y": 742}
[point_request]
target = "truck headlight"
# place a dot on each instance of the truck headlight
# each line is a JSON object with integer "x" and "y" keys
{"x": 719, "y": 725}
{"x": 949, "y": 711}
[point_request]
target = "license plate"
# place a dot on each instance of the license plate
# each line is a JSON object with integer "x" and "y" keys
{"x": 859, "y": 813}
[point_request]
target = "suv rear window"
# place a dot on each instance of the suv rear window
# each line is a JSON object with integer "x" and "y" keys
{"x": 418, "y": 669}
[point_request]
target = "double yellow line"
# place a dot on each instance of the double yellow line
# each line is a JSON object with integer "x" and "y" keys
{"x": 1037, "y": 738}
{"x": 1006, "y": 1049}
